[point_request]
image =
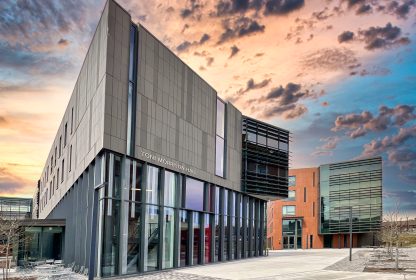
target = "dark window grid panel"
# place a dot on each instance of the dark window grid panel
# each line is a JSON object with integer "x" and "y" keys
{"x": 262, "y": 154}
{"x": 250, "y": 125}
{"x": 358, "y": 176}
{"x": 366, "y": 162}
{"x": 265, "y": 187}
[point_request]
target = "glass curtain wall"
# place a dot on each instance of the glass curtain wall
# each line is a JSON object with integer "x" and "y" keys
{"x": 165, "y": 219}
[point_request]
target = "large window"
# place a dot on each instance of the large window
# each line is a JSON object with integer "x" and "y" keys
{"x": 152, "y": 185}
{"x": 288, "y": 210}
{"x": 169, "y": 238}
{"x": 133, "y": 238}
{"x": 194, "y": 197}
{"x": 219, "y": 141}
{"x": 170, "y": 189}
{"x": 151, "y": 240}
{"x": 184, "y": 235}
{"x": 207, "y": 238}
{"x": 196, "y": 243}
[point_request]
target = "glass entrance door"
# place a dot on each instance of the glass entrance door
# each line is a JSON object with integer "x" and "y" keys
{"x": 289, "y": 242}
{"x": 292, "y": 233}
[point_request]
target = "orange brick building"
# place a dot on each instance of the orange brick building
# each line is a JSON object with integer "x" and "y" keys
{"x": 293, "y": 223}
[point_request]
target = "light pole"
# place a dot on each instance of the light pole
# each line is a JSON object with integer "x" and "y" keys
{"x": 350, "y": 233}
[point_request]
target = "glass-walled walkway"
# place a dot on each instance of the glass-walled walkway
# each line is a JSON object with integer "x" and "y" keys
{"x": 153, "y": 218}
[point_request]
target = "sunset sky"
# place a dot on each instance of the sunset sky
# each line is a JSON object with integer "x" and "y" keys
{"x": 340, "y": 75}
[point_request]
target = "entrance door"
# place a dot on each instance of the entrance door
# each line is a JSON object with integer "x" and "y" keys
{"x": 289, "y": 242}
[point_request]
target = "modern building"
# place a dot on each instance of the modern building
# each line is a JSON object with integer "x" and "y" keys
{"x": 316, "y": 213}
{"x": 15, "y": 208}
{"x": 150, "y": 169}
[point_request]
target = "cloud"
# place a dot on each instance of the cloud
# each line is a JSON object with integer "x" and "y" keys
{"x": 193, "y": 9}
{"x": 328, "y": 147}
{"x": 345, "y": 36}
{"x": 204, "y": 38}
{"x": 227, "y": 7}
{"x": 241, "y": 27}
{"x": 210, "y": 60}
{"x": 364, "y": 9}
{"x": 358, "y": 125}
{"x": 269, "y": 7}
{"x": 287, "y": 112}
{"x": 63, "y": 42}
{"x": 234, "y": 51}
{"x": 329, "y": 59}
{"x": 284, "y": 102}
{"x": 185, "y": 45}
{"x": 11, "y": 183}
{"x": 377, "y": 147}
{"x": 400, "y": 10}
{"x": 253, "y": 85}
{"x": 404, "y": 158}
{"x": 383, "y": 37}
{"x": 282, "y": 7}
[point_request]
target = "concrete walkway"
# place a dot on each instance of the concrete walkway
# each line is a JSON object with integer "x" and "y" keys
{"x": 288, "y": 264}
{"x": 285, "y": 264}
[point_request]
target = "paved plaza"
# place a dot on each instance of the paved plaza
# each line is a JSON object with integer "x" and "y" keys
{"x": 299, "y": 264}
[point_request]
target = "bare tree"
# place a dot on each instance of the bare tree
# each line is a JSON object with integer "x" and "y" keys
{"x": 393, "y": 232}
{"x": 10, "y": 232}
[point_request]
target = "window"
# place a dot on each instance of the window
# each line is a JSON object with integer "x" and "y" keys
{"x": 63, "y": 172}
{"x": 194, "y": 197}
{"x": 261, "y": 140}
{"x": 292, "y": 181}
{"x": 151, "y": 241}
{"x": 291, "y": 195}
{"x": 65, "y": 133}
{"x": 273, "y": 170}
{"x": 283, "y": 146}
{"x": 72, "y": 119}
{"x": 57, "y": 179}
{"x": 313, "y": 180}
{"x": 170, "y": 189}
{"x": 272, "y": 143}
{"x": 304, "y": 194}
{"x": 169, "y": 237}
{"x": 251, "y": 166}
{"x": 219, "y": 140}
{"x": 289, "y": 210}
{"x": 60, "y": 146}
{"x": 220, "y": 118}
{"x": 70, "y": 158}
{"x": 152, "y": 185}
{"x": 251, "y": 137}
{"x": 55, "y": 156}
{"x": 261, "y": 168}
{"x": 219, "y": 156}
{"x": 313, "y": 209}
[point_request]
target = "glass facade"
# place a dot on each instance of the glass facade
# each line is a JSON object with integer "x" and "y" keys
{"x": 15, "y": 208}
{"x": 175, "y": 221}
{"x": 40, "y": 243}
{"x": 355, "y": 185}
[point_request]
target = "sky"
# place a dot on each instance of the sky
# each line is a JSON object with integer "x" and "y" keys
{"x": 340, "y": 75}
